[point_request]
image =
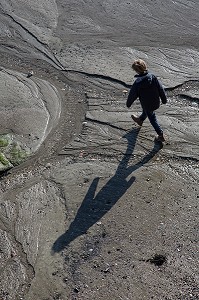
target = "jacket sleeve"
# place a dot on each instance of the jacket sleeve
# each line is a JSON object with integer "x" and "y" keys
{"x": 161, "y": 91}
{"x": 133, "y": 94}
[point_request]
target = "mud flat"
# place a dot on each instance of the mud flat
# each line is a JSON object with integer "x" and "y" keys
{"x": 90, "y": 206}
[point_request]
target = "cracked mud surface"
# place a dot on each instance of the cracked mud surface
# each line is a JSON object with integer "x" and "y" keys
{"x": 90, "y": 206}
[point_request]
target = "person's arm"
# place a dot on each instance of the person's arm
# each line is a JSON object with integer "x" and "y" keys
{"x": 133, "y": 94}
{"x": 161, "y": 91}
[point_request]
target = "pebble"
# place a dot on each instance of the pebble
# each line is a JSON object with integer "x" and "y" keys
{"x": 30, "y": 74}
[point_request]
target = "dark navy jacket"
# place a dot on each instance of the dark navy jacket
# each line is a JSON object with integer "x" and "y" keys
{"x": 149, "y": 90}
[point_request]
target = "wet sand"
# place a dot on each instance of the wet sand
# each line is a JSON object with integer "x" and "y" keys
{"x": 91, "y": 206}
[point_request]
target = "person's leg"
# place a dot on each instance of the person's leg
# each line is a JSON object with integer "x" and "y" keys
{"x": 154, "y": 122}
{"x": 139, "y": 120}
{"x": 143, "y": 116}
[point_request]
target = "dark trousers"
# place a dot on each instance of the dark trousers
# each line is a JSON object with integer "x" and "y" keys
{"x": 153, "y": 120}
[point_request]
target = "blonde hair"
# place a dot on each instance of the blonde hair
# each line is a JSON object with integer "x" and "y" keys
{"x": 139, "y": 66}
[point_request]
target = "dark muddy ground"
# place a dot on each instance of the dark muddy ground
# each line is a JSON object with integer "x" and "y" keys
{"x": 91, "y": 206}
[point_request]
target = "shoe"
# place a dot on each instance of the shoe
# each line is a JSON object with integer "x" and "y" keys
{"x": 160, "y": 138}
{"x": 137, "y": 120}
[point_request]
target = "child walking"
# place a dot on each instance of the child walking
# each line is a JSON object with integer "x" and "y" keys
{"x": 149, "y": 90}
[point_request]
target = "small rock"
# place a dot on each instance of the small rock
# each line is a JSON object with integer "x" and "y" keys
{"x": 157, "y": 260}
{"x": 81, "y": 154}
{"x": 106, "y": 270}
{"x": 30, "y": 74}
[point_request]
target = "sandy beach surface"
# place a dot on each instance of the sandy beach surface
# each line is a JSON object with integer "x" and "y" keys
{"x": 91, "y": 207}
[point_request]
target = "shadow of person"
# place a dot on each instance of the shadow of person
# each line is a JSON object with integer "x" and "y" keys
{"x": 94, "y": 207}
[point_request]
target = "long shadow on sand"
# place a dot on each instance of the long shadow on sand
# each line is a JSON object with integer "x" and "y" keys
{"x": 94, "y": 207}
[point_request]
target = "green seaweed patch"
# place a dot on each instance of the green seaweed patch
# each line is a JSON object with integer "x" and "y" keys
{"x": 17, "y": 154}
{"x": 4, "y": 163}
{"x": 4, "y": 141}
{"x": 3, "y": 160}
